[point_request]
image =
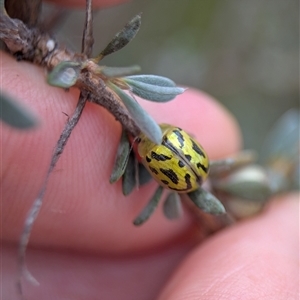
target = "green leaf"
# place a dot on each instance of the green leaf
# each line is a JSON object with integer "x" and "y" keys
{"x": 121, "y": 158}
{"x": 153, "y": 79}
{"x": 149, "y": 209}
{"x": 65, "y": 74}
{"x": 207, "y": 202}
{"x": 123, "y": 37}
{"x": 153, "y": 88}
{"x": 282, "y": 142}
{"x": 144, "y": 175}
{"x": 119, "y": 71}
{"x": 221, "y": 166}
{"x": 129, "y": 178}
{"x": 249, "y": 182}
{"x": 143, "y": 120}
{"x": 15, "y": 114}
{"x": 172, "y": 207}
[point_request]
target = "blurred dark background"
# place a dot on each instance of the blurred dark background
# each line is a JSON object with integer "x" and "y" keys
{"x": 244, "y": 53}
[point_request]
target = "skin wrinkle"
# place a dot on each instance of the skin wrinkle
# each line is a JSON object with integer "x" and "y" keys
{"x": 216, "y": 281}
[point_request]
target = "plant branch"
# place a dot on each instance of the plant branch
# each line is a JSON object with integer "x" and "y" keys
{"x": 27, "y": 11}
{"x": 42, "y": 49}
{"x": 87, "y": 38}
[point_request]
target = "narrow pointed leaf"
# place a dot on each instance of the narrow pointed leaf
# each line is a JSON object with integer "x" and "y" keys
{"x": 153, "y": 88}
{"x": 129, "y": 179}
{"x": 245, "y": 157}
{"x": 144, "y": 175}
{"x": 153, "y": 92}
{"x": 65, "y": 74}
{"x": 207, "y": 202}
{"x": 149, "y": 209}
{"x": 153, "y": 79}
{"x": 15, "y": 114}
{"x": 120, "y": 71}
{"x": 121, "y": 158}
{"x": 143, "y": 120}
{"x": 172, "y": 206}
{"x": 123, "y": 37}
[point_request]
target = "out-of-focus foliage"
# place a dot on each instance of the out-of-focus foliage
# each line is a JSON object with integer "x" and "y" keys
{"x": 281, "y": 152}
{"x": 246, "y": 189}
{"x": 15, "y": 114}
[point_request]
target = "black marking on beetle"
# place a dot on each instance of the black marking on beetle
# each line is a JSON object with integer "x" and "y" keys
{"x": 169, "y": 145}
{"x": 205, "y": 169}
{"x": 178, "y": 190}
{"x": 188, "y": 157}
{"x": 181, "y": 164}
{"x": 165, "y": 181}
{"x": 153, "y": 170}
{"x": 197, "y": 149}
{"x": 180, "y": 137}
{"x": 170, "y": 174}
{"x": 187, "y": 178}
{"x": 159, "y": 157}
{"x": 148, "y": 159}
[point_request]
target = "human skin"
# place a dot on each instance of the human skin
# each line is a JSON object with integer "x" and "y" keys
{"x": 84, "y": 245}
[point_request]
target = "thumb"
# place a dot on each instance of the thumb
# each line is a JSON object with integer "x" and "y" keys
{"x": 256, "y": 259}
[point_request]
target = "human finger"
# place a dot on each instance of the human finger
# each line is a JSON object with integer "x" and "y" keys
{"x": 81, "y": 209}
{"x": 256, "y": 259}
